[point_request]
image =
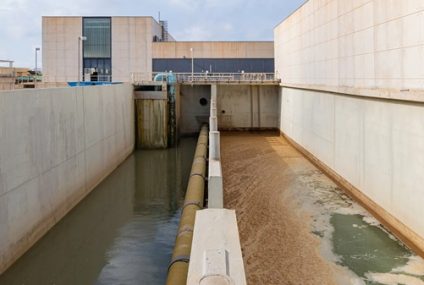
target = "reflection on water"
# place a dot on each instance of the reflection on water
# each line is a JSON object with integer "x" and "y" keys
{"x": 122, "y": 233}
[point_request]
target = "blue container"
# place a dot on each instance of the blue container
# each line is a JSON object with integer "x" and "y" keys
{"x": 93, "y": 83}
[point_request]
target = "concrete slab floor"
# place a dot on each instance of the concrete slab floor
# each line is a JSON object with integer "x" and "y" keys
{"x": 297, "y": 227}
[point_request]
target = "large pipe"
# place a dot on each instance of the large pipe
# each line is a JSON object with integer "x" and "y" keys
{"x": 194, "y": 199}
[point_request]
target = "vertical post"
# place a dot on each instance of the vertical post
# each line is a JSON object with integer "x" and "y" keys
{"x": 192, "y": 64}
{"x": 79, "y": 60}
{"x": 80, "y": 39}
{"x": 213, "y": 124}
{"x": 215, "y": 152}
{"x": 214, "y": 100}
{"x": 36, "y": 65}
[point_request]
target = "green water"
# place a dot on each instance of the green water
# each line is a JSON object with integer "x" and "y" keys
{"x": 365, "y": 248}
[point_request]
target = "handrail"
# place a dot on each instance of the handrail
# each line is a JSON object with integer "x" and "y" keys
{"x": 137, "y": 77}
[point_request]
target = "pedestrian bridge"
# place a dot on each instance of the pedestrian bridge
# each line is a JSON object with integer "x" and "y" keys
{"x": 210, "y": 78}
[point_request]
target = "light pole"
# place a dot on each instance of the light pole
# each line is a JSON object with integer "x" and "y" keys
{"x": 36, "y": 59}
{"x": 192, "y": 64}
{"x": 80, "y": 39}
{"x": 37, "y": 49}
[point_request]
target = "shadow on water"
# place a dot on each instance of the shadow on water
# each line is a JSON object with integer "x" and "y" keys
{"x": 122, "y": 233}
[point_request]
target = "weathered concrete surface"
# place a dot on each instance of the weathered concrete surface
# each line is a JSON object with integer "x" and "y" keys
{"x": 276, "y": 239}
{"x": 56, "y": 145}
{"x": 192, "y": 114}
{"x": 60, "y": 48}
{"x": 152, "y": 122}
{"x": 240, "y": 106}
{"x": 132, "y": 39}
{"x": 216, "y": 254}
{"x": 248, "y": 107}
{"x": 373, "y": 145}
{"x": 354, "y": 43}
{"x": 370, "y": 141}
{"x": 7, "y": 83}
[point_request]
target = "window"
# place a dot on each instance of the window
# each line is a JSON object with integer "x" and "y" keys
{"x": 97, "y": 49}
{"x": 98, "y": 33}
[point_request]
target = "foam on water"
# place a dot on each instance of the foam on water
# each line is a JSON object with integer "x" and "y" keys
{"x": 361, "y": 250}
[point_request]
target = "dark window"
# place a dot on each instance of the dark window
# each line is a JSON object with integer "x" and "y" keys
{"x": 218, "y": 65}
{"x": 98, "y": 43}
{"x": 97, "y": 48}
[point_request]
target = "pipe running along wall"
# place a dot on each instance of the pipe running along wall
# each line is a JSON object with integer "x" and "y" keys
{"x": 194, "y": 199}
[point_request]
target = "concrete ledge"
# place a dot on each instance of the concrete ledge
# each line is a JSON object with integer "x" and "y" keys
{"x": 150, "y": 95}
{"x": 216, "y": 256}
{"x": 408, "y": 95}
{"x": 399, "y": 229}
{"x": 215, "y": 185}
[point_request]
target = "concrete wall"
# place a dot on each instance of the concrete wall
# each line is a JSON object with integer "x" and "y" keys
{"x": 375, "y": 145}
{"x": 239, "y": 107}
{"x": 349, "y": 69}
{"x": 7, "y": 83}
{"x": 355, "y": 43}
{"x": 152, "y": 120}
{"x": 132, "y": 39}
{"x": 213, "y": 49}
{"x": 60, "y": 48}
{"x": 248, "y": 107}
{"x": 193, "y": 115}
{"x": 56, "y": 145}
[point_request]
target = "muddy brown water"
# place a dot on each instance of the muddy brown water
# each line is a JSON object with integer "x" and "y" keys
{"x": 297, "y": 227}
{"x": 121, "y": 233}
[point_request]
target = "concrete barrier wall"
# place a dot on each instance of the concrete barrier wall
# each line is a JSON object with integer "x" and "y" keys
{"x": 356, "y": 43}
{"x": 351, "y": 99}
{"x": 248, "y": 107}
{"x": 192, "y": 114}
{"x": 238, "y": 107}
{"x": 56, "y": 145}
{"x": 375, "y": 145}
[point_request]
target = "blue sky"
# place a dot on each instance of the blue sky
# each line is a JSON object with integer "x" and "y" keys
{"x": 20, "y": 31}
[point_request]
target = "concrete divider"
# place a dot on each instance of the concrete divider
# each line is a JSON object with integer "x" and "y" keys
{"x": 216, "y": 256}
{"x": 216, "y": 253}
{"x": 213, "y": 124}
{"x": 215, "y": 186}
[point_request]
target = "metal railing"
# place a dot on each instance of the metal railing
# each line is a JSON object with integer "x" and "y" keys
{"x": 137, "y": 77}
{"x": 97, "y": 78}
{"x": 225, "y": 77}
{"x": 28, "y": 79}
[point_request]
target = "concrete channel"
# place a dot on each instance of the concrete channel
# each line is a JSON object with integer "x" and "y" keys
{"x": 298, "y": 227}
{"x": 121, "y": 233}
{"x": 268, "y": 215}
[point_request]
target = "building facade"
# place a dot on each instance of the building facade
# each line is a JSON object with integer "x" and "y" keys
{"x": 214, "y": 57}
{"x": 117, "y": 48}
